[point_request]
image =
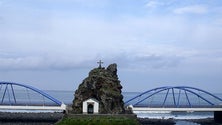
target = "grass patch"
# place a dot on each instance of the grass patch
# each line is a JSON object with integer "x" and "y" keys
{"x": 98, "y": 120}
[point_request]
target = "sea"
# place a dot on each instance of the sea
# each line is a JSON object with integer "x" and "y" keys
{"x": 68, "y": 96}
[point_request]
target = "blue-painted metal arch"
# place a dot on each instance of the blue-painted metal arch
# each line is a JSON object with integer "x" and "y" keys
{"x": 11, "y": 84}
{"x": 186, "y": 89}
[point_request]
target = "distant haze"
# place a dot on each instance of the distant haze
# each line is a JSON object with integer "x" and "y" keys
{"x": 53, "y": 44}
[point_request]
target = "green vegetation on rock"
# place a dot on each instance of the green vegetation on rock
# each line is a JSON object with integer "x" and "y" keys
{"x": 99, "y": 120}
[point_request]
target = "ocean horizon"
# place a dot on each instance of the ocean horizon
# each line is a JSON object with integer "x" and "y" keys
{"x": 68, "y": 96}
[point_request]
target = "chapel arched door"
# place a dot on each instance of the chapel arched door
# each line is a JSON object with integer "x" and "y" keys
{"x": 90, "y": 108}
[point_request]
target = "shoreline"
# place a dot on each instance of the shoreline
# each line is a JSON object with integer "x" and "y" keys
{"x": 149, "y": 121}
{"x": 7, "y": 118}
{"x": 206, "y": 121}
{"x": 171, "y": 121}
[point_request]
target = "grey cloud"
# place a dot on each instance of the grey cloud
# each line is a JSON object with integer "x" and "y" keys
{"x": 157, "y": 61}
{"x": 21, "y": 63}
{"x": 43, "y": 62}
{"x": 144, "y": 62}
{"x": 61, "y": 63}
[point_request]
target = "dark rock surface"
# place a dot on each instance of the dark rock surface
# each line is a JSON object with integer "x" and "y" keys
{"x": 103, "y": 85}
{"x": 147, "y": 121}
{"x": 9, "y": 118}
{"x": 207, "y": 121}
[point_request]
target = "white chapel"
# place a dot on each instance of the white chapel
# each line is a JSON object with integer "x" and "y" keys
{"x": 90, "y": 106}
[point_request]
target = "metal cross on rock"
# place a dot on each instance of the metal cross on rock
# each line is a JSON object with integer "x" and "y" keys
{"x": 100, "y": 63}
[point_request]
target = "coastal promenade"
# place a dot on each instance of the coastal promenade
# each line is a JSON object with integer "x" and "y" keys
{"x": 176, "y": 99}
{"x": 30, "y": 100}
{"x": 52, "y": 110}
{"x": 148, "y": 109}
{"x": 23, "y": 104}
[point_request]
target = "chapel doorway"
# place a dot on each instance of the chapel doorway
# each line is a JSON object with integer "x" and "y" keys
{"x": 90, "y": 108}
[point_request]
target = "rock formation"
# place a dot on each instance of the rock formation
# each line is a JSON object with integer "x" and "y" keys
{"x": 101, "y": 84}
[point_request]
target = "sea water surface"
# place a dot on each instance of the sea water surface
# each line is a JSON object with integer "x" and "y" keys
{"x": 68, "y": 96}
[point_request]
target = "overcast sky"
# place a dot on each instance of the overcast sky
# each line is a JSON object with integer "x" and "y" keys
{"x": 53, "y": 44}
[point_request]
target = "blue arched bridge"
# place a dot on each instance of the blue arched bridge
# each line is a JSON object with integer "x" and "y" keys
{"x": 178, "y": 98}
{"x": 16, "y": 97}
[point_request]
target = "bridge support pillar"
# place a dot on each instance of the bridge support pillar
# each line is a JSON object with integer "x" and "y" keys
{"x": 218, "y": 116}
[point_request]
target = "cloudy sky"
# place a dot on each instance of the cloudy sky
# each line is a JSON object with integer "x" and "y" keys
{"x": 53, "y": 44}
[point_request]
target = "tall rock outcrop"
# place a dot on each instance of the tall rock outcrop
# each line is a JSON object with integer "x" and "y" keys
{"x": 101, "y": 84}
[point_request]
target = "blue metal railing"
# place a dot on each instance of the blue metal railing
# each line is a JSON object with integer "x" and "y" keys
{"x": 9, "y": 86}
{"x": 176, "y": 103}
